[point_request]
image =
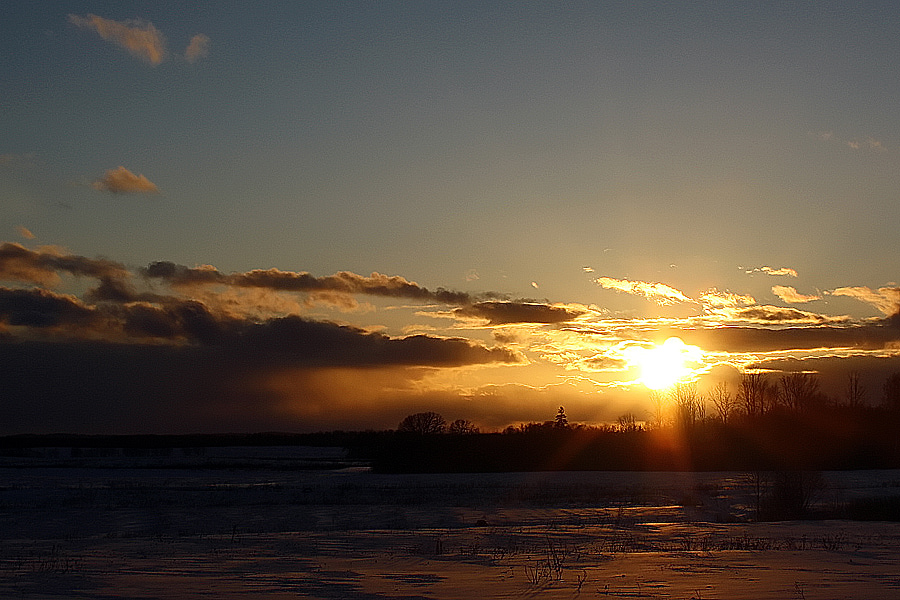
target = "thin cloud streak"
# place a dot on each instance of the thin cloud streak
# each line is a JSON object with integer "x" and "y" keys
{"x": 779, "y": 272}
{"x": 343, "y": 282}
{"x": 659, "y": 293}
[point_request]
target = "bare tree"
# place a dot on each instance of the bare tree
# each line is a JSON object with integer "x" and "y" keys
{"x": 754, "y": 392}
{"x": 723, "y": 401}
{"x": 856, "y": 391}
{"x": 689, "y": 407}
{"x": 798, "y": 391}
{"x": 627, "y": 422}
{"x": 423, "y": 423}
{"x": 657, "y": 403}
{"x": 463, "y": 427}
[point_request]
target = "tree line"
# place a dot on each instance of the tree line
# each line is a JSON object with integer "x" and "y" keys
{"x": 786, "y": 423}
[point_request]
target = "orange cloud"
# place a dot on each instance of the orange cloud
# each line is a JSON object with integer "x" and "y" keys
{"x": 139, "y": 38}
{"x": 24, "y": 232}
{"x": 885, "y": 299}
{"x": 790, "y": 294}
{"x": 123, "y": 181}
{"x": 655, "y": 292}
{"x": 198, "y": 48}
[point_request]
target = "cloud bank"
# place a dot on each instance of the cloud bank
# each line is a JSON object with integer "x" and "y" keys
{"x": 90, "y": 345}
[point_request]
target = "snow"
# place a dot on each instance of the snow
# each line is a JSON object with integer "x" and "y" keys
{"x": 165, "y": 533}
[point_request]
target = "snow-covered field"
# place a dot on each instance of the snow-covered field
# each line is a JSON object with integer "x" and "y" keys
{"x": 101, "y": 528}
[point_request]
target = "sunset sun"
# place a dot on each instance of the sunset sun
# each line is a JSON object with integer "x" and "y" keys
{"x": 665, "y": 364}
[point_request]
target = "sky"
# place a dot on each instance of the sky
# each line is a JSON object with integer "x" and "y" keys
{"x": 303, "y": 216}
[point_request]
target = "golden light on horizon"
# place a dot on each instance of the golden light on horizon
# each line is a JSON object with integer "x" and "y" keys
{"x": 666, "y": 364}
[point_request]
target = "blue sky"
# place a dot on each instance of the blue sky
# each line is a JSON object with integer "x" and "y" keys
{"x": 560, "y": 154}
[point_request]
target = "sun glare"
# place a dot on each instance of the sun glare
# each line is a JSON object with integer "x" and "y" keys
{"x": 665, "y": 364}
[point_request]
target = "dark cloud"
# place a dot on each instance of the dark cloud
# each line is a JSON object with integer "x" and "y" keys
{"x": 18, "y": 263}
{"x": 179, "y": 366}
{"x": 327, "y": 344}
{"x": 292, "y": 339}
{"x": 873, "y": 336}
{"x": 217, "y": 385}
{"x": 39, "y": 308}
{"x": 100, "y": 387}
{"x": 342, "y": 282}
{"x": 503, "y": 313}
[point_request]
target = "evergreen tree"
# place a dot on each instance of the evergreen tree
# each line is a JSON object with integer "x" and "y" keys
{"x": 562, "y": 421}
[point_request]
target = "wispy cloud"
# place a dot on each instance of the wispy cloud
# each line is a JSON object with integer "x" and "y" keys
{"x": 343, "y": 282}
{"x": 716, "y": 299}
{"x": 866, "y": 143}
{"x": 24, "y": 232}
{"x": 782, "y": 271}
{"x": 885, "y": 299}
{"x": 139, "y": 38}
{"x": 197, "y": 48}
{"x": 123, "y": 181}
{"x": 791, "y": 295}
{"x": 659, "y": 293}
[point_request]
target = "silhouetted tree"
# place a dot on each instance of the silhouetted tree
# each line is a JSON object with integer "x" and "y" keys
{"x": 627, "y": 422}
{"x": 463, "y": 427}
{"x": 723, "y": 401}
{"x": 657, "y": 414}
{"x": 891, "y": 391}
{"x": 561, "y": 421}
{"x": 689, "y": 408}
{"x": 423, "y": 423}
{"x": 798, "y": 391}
{"x": 855, "y": 394}
{"x": 753, "y": 394}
